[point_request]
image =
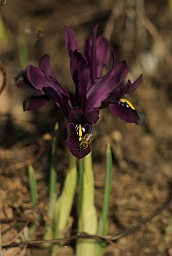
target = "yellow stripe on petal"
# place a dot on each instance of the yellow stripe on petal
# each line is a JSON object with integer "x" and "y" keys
{"x": 79, "y": 130}
{"x": 128, "y": 103}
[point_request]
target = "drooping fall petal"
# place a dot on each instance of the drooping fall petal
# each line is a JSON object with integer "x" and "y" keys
{"x": 126, "y": 113}
{"x": 73, "y": 142}
{"x": 35, "y": 102}
{"x": 24, "y": 84}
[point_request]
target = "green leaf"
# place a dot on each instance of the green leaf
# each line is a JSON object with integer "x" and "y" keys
{"x": 103, "y": 221}
{"x": 65, "y": 201}
{"x": 53, "y": 171}
{"x": 33, "y": 186}
{"x": 88, "y": 215}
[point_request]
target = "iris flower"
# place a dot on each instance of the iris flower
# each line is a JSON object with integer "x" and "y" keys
{"x": 99, "y": 83}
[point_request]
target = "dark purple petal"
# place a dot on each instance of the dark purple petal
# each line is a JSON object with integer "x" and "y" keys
{"x": 131, "y": 87}
{"x": 34, "y": 103}
{"x": 39, "y": 81}
{"x": 90, "y": 53}
{"x": 117, "y": 75}
{"x": 76, "y": 59}
{"x": 78, "y": 114}
{"x": 75, "y": 114}
{"x": 37, "y": 78}
{"x": 80, "y": 74}
{"x": 97, "y": 52}
{"x": 70, "y": 40}
{"x": 57, "y": 98}
{"x": 53, "y": 95}
{"x": 44, "y": 65}
{"x": 100, "y": 92}
{"x": 23, "y": 83}
{"x": 88, "y": 49}
{"x": 73, "y": 141}
{"x": 103, "y": 53}
{"x": 92, "y": 116}
{"x": 127, "y": 113}
{"x": 97, "y": 97}
{"x": 81, "y": 84}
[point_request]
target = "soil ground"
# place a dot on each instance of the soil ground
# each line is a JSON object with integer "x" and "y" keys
{"x": 141, "y": 33}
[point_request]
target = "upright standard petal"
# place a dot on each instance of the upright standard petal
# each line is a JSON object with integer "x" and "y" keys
{"x": 70, "y": 40}
{"x": 88, "y": 50}
{"x": 81, "y": 84}
{"x": 76, "y": 59}
{"x": 103, "y": 53}
{"x": 90, "y": 53}
{"x": 97, "y": 52}
{"x": 44, "y": 65}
